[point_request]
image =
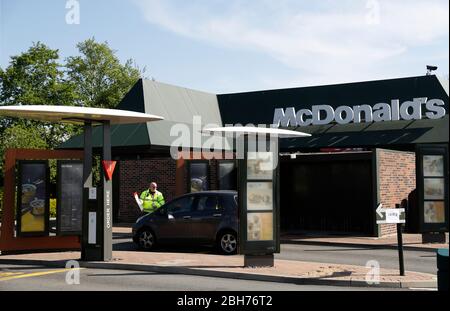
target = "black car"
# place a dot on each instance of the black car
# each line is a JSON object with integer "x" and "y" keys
{"x": 205, "y": 218}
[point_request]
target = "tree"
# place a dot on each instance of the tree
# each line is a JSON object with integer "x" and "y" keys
{"x": 36, "y": 78}
{"x": 96, "y": 78}
{"x": 99, "y": 78}
{"x": 19, "y": 136}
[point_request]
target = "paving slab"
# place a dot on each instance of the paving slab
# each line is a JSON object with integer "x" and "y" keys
{"x": 410, "y": 241}
{"x": 285, "y": 271}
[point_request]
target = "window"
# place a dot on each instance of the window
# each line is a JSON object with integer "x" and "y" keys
{"x": 182, "y": 205}
{"x": 198, "y": 177}
{"x": 208, "y": 203}
{"x": 227, "y": 175}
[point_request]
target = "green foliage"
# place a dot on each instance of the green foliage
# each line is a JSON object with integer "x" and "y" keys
{"x": 19, "y": 136}
{"x": 99, "y": 78}
{"x": 52, "y": 208}
{"x": 36, "y": 78}
{"x": 95, "y": 78}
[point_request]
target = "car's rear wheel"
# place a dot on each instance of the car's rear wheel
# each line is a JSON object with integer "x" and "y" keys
{"x": 227, "y": 243}
{"x": 146, "y": 240}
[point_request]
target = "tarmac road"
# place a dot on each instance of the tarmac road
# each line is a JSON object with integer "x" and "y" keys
{"x": 419, "y": 261}
{"x": 29, "y": 278}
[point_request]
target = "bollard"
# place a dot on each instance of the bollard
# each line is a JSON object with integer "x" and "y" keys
{"x": 442, "y": 265}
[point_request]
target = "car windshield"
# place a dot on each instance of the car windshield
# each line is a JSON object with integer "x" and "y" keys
{"x": 180, "y": 206}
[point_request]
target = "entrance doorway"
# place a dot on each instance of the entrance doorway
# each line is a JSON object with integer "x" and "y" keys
{"x": 327, "y": 193}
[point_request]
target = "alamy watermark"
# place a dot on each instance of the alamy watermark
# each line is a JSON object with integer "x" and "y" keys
{"x": 73, "y": 275}
{"x": 373, "y": 16}
{"x": 73, "y": 13}
{"x": 373, "y": 276}
{"x": 224, "y": 145}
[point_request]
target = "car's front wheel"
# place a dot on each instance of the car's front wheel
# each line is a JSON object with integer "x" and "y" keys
{"x": 227, "y": 243}
{"x": 146, "y": 240}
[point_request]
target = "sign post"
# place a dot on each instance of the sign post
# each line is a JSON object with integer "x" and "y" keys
{"x": 258, "y": 201}
{"x": 259, "y": 204}
{"x": 394, "y": 216}
{"x": 107, "y": 193}
{"x": 97, "y": 220}
{"x": 400, "y": 249}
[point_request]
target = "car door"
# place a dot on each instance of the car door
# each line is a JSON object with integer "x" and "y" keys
{"x": 206, "y": 217}
{"x": 176, "y": 225}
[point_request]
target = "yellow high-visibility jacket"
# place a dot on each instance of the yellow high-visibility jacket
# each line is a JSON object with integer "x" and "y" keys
{"x": 151, "y": 202}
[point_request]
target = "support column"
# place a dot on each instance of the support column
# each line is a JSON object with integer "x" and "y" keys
{"x": 87, "y": 183}
{"x": 90, "y": 246}
{"x": 107, "y": 195}
{"x": 87, "y": 160}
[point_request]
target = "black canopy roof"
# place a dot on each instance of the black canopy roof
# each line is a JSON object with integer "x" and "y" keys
{"x": 259, "y": 107}
{"x": 178, "y": 104}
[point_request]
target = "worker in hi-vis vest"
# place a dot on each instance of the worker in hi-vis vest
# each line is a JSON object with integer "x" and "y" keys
{"x": 152, "y": 199}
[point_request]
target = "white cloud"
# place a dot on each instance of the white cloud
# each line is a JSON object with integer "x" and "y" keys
{"x": 326, "y": 41}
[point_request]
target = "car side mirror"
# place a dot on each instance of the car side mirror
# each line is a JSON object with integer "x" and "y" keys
{"x": 170, "y": 217}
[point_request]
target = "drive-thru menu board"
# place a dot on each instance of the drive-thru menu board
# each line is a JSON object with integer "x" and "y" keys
{"x": 259, "y": 208}
{"x": 32, "y": 199}
{"x": 432, "y": 185}
{"x": 70, "y": 197}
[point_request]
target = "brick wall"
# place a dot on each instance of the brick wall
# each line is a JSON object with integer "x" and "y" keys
{"x": 397, "y": 178}
{"x": 136, "y": 175}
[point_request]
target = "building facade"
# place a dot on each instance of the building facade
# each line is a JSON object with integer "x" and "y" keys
{"x": 372, "y": 142}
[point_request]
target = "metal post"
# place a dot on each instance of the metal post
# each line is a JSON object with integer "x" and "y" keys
{"x": 87, "y": 183}
{"x": 87, "y": 160}
{"x": 400, "y": 249}
{"x": 107, "y": 196}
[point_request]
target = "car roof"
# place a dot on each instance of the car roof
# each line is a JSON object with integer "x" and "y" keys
{"x": 211, "y": 192}
{"x": 229, "y": 192}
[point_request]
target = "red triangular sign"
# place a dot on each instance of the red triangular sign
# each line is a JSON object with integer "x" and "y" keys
{"x": 108, "y": 167}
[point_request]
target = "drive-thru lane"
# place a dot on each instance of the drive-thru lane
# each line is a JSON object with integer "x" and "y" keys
{"x": 418, "y": 261}
{"x": 42, "y": 279}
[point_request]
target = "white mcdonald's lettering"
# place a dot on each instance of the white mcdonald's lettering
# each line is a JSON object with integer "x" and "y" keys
{"x": 325, "y": 114}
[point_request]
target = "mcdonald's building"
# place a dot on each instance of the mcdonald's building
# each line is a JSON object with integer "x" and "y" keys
{"x": 376, "y": 142}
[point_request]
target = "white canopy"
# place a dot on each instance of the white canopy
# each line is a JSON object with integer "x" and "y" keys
{"x": 77, "y": 115}
{"x": 257, "y": 130}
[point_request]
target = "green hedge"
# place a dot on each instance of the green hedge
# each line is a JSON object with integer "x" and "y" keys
{"x": 52, "y": 208}
{"x": 52, "y": 205}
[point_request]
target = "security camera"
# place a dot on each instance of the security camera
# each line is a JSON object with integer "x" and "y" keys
{"x": 430, "y": 69}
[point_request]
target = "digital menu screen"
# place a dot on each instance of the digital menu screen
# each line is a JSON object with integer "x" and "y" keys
{"x": 70, "y": 197}
{"x": 32, "y": 198}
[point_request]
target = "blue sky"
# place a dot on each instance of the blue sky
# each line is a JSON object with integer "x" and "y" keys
{"x": 226, "y": 46}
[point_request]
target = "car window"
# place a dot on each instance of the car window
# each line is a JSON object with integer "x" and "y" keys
{"x": 182, "y": 205}
{"x": 208, "y": 203}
